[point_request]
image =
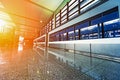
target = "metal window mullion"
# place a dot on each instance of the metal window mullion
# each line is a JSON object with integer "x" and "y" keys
{"x": 67, "y": 11}
{"x": 79, "y": 34}
{"x": 60, "y": 17}
{"x": 98, "y": 30}
{"x": 102, "y": 31}
{"x": 79, "y": 3}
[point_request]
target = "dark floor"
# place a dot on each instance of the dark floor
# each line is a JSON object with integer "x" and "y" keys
{"x": 31, "y": 65}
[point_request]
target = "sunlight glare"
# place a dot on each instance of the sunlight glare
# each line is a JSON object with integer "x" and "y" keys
{"x": 2, "y": 25}
{"x": 20, "y": 47}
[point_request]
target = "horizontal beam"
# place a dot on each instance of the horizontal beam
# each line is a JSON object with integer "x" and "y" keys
{"x": 40, "y": 6}
{"x": 21, "y": 16}
{"x": 17, "y": 23}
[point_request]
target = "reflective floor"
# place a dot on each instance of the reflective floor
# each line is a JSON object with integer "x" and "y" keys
{"x": 53, "y": 64}
{"x": 13, "y": 64}
{"x": 35, "y": 64}
{"x": 95, "y": 68}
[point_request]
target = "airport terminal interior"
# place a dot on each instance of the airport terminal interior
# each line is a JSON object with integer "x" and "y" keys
{"x": 59, "y": 40}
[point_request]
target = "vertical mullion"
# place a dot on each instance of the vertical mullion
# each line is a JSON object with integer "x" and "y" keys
{"x": 67, "y": 11}
{"x": 79, "y": 34}
{"x": 103, "y": 31}
{"x": 60, "y": 17}
{"x": 74, "y": 33}
{"x": 98, "y": 30}
{"x": 79, "y": 3}
{"x": 88, "y": 26}
{"x": 54, "y": 21}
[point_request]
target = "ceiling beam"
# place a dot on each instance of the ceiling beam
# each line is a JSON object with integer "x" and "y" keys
{"x": 40, "y": 6}
{"x": 17, "y": 23}
{"x": 21, "y": 16}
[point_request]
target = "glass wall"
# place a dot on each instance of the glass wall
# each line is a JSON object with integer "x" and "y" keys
{"x": 104, "y": 25}
{"x": 71, "y": 10}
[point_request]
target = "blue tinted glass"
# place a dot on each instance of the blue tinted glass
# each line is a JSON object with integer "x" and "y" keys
{"x": 70, "y": 29}
{"x": 110, "y": 16}
{"x": 79, "y": 26}
{"x": 96, "y": 21}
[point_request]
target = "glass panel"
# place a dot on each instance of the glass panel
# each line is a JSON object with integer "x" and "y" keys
{"x": 84, "y": 33}
{"x": 110, "y": 16}
{"x": 77, "y": 34}
{"x": 112, "y": 28}
{"x": 88, "y": 4}
{"x": 57, "y": 18}
{"x": 74, "y": 15}
{"x": 57, "y": 37}
{"x": 82, "y": 25}
{"x": 64, "y": 19}
{"x": 63, "y": 13}
{"x": 58, "y": 15}
{"x": 51, "y": 37}
{"x": 58, "y": 22}
{"x": 72, "y": 11}
{"x": 96, "y": 21}
{"x": 73, "y": 5}
{"x": 85, "y": 2}
{"x": 65, "y": 36}
{"x": 71, "y": 35}
{"x": 53, "y": 26}
{"x": 71, "y": 2}
{"x": 64, "y": 8}
{"x": 93, "y": 32}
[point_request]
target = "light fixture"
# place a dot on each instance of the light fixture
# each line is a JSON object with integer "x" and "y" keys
{"x": 41, "y": 21}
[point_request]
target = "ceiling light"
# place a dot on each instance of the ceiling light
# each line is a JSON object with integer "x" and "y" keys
{"x": 41, "y": 21}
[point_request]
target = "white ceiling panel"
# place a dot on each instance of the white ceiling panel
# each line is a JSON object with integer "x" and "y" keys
{"x": 50, "y": 4}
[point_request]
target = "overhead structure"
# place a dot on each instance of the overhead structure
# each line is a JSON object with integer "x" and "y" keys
{"x": 29, "y": 16}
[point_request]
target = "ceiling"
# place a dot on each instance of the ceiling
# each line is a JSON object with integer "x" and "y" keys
{"x": 28, "y": 16}
{"x": 49, "y": 4}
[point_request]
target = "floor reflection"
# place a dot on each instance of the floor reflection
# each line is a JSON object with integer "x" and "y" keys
{"x": 99, "y": 69}
{"x": 25, "y": 63}
{"x": 2, "y": 61}
{"x": 56, "y": 66}
{"x": 20, "y": 47}
{"x": 12, "y": 63}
